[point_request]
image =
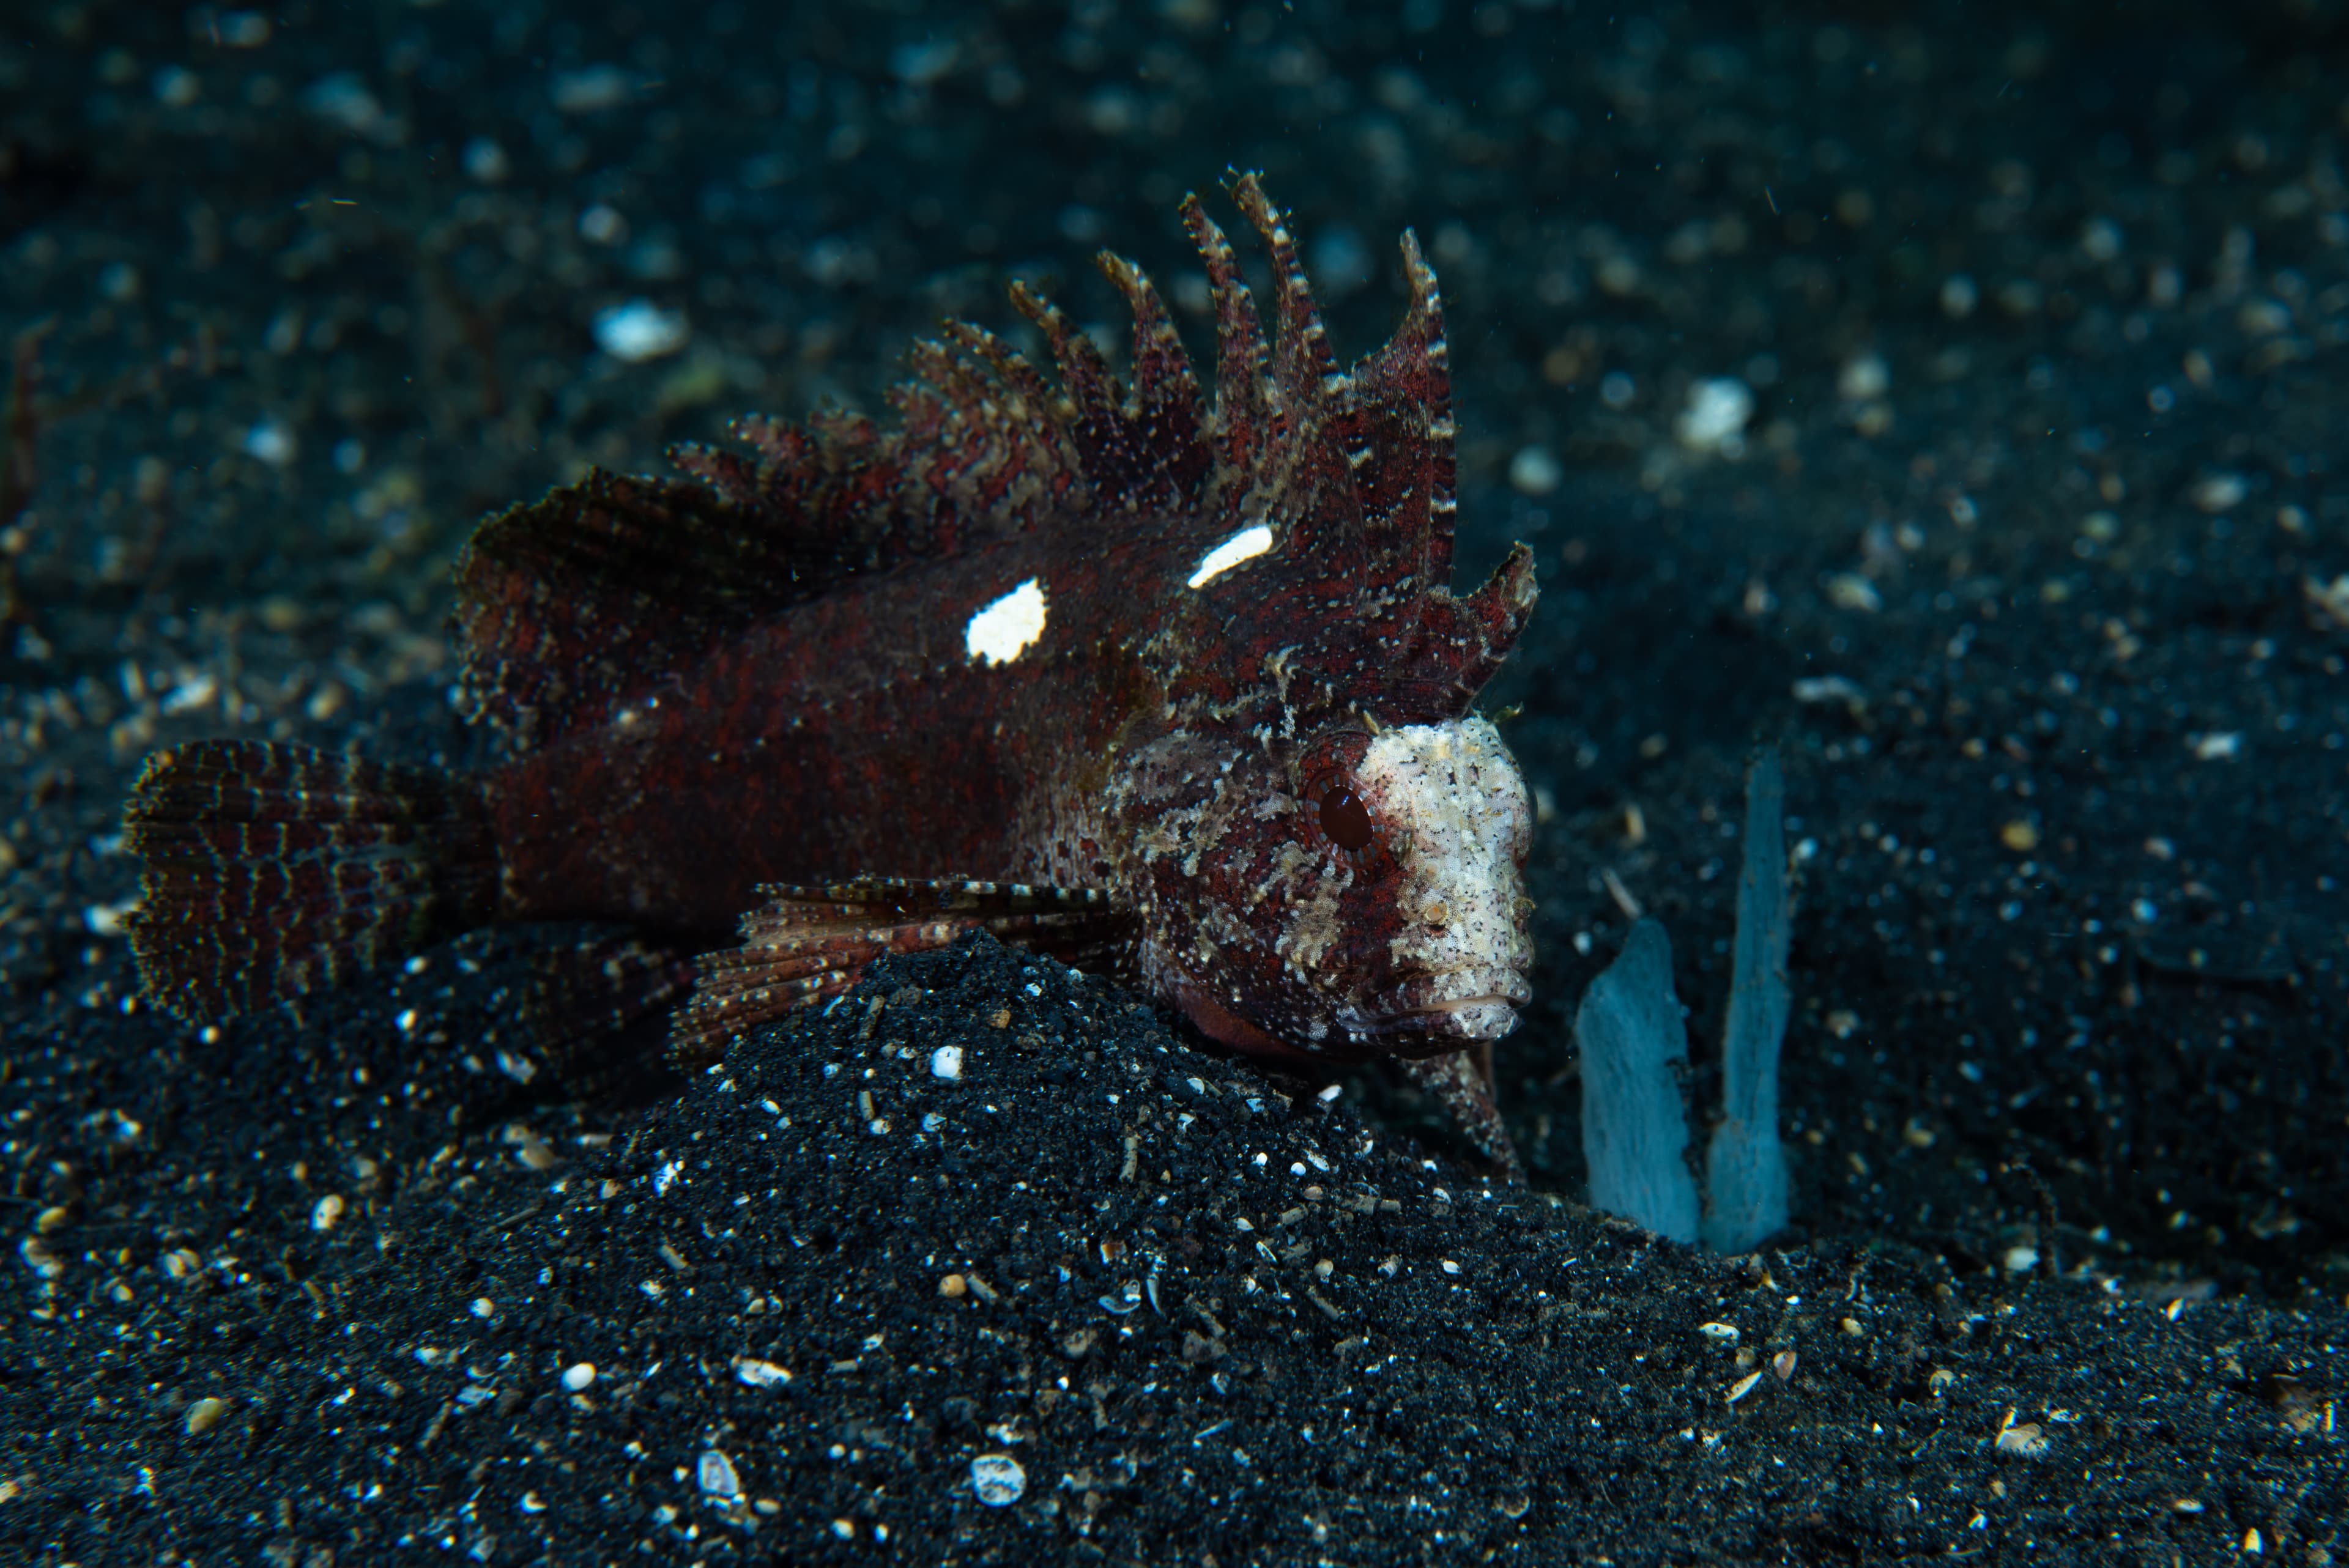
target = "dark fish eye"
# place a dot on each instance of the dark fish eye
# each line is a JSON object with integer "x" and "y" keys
{"x": 1346, "y": 819}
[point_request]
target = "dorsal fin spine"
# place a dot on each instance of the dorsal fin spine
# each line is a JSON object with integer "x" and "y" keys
{"x": 1427, "y": 355}
{"x": 1240, "y": 401}
{"x": 1163, "y": 406}
{"x": 1301, "y": 359}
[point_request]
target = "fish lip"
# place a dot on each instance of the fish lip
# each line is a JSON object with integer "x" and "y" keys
{"x": 1478, "y": 1004}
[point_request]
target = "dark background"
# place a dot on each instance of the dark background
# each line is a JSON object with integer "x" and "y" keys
{"x": 2042, "y": 311}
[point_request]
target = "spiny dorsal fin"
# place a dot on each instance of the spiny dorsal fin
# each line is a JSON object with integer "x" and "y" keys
{"x": 1405, "y": 393}
{"x": 572, "y": 606}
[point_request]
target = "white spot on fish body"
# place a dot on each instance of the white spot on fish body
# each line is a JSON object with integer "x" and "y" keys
{"x": 1008, "y": 627}
{"x": 1246, "y": 545}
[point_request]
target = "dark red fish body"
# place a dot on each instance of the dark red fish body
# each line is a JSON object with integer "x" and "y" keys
{"x": 787, "y": 757}
{"x": 1186, "y": 686}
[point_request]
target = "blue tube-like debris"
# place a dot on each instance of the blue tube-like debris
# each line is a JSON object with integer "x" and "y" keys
{"x": 1634, "y": 1130}
{"x": 1746, "y": 1168}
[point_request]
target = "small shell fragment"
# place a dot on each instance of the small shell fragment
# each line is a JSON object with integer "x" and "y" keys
{"x": 760, "y": 1374}
{"x": 2027, "y": 1439}
{"x": 715, "y": 1474}
{"x": 996, "y": 1479}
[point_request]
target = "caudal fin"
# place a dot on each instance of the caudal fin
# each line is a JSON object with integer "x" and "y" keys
{"x": 275, "y": 870}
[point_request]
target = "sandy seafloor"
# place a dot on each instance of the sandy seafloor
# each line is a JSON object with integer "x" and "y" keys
{"x": 2021, "y": 556}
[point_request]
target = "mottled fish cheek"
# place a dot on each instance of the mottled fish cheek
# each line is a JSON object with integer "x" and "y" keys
{"x": 1454, "y": 792}
{"x": 1316, "y": 925}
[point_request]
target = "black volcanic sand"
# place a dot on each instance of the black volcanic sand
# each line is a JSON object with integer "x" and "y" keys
{"x": 1190, "y": 1305}
{"x": 2023, "y": 559}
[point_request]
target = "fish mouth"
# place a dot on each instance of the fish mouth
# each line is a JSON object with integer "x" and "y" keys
{"x": 1462, "y": 1005}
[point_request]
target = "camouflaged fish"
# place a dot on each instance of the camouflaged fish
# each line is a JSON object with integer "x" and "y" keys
{"x": 1176, "y": 692}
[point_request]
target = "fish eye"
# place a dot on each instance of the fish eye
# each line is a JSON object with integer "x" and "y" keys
{"x": 1346, "y": 819}
{"x": 1336, "y": 803}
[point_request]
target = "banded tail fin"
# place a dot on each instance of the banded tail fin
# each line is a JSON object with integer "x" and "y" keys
{"x": 274, "y": 871}
{"x": 810, "y": 943}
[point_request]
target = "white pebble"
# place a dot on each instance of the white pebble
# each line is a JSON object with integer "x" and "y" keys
{"x": 1533, "y": 471}
{"x": 996, "y": 1479}
{"x": 640, "y": 330}
{"x": 602, "y": 224}
{"x": 1864, "y": 377}
{"x": 715, "y": 1474}
{"x": 760, "y": 1374}
{"x": 2218, "y": 493}
{"x": 486, "y": 162}
{"x": 579, "y": 1375}
{"x": 272, "y": 440}
{"x": 1714, "y": 419}
{"x": 590, "y": 89}
{"x": 108, "y": 919}
{"x": 946, "y": 1062}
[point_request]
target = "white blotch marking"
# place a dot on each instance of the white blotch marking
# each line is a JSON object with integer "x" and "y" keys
{"x": 1009, "y": 627}
{"x": 1456, "y": 793}
{"x": 1246, "y": 545}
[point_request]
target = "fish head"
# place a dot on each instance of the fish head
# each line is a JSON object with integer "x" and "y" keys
{"x": 1359, "y": 894}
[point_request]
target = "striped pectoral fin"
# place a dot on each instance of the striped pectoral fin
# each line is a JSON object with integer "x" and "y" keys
{"x": 808, "y": 944}
{"x": 1462, "y": 1083}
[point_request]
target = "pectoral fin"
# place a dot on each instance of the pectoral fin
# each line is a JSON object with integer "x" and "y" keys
{"x": 809, "y": 942}
{"x": 1462, "y": 1082}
